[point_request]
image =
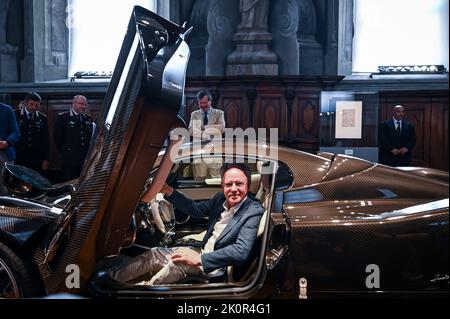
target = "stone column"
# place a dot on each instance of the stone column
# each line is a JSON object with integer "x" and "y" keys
{"x": 252, "y": 55}
{"x": 310, "y": 50}
{"x": 332, "y": 39}
{"x": 283, "y": 25}
{"x": 199, "y": 36}
{"x": 223, "y": 18}
{"x": 345, "y": 40}
{"x": 8, "y": 52}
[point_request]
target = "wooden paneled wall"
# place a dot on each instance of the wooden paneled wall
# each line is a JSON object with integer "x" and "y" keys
{"x": 291, "y": 104}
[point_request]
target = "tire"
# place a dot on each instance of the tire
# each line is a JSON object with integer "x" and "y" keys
{"x": 18, "y": 277}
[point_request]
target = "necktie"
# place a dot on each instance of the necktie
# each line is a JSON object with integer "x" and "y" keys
{"x": 397, "y": 129}
{"x": 205, "y": 119}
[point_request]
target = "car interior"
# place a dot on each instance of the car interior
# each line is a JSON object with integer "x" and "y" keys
{"x": 157, "y": 223}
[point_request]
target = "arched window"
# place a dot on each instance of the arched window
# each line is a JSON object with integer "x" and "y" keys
{"x": 96, "y": 30}
{"x": 400, "y": 32}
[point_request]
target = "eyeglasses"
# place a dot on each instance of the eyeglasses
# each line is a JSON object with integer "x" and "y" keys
{"x": 81, "y": 103}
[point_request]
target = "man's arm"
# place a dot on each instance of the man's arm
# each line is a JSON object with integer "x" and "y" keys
{"x": 384, "y": 140}
{"x": 14, "y": 131}
{"x": 236, "y": 253}
{"x": 411, "y": 140}
{"x": 59, "y": 133}
{"x": 186, "y": 256}
{"x": 411, "y": 137}
{"x": 45, "y": 146}
{"x": 188, "y": 206}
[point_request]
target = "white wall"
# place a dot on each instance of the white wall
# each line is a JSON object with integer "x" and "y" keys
{"x": 97, "y": 28}
{"x": 400, "y": 32}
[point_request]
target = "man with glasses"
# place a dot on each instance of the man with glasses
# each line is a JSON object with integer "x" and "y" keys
{"x": 72, "y": 136}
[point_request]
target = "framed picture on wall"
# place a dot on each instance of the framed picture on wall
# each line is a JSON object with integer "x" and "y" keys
{"x": 348, "y": 119}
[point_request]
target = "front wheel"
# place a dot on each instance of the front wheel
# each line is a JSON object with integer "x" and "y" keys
{"x": 17, "y": 279}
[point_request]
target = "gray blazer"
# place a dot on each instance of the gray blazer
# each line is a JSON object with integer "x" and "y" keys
{"x": 234, "y": 245}
{"x": 216, "y": 120}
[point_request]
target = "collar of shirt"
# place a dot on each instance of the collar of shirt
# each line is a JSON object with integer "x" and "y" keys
{"x": 28, "y": 113}
{"x": 233, "y": 209}
{"x": 73, "y": 113}
{"x": 219, "y": 226}
{"x": 395, "y": 121}
{"x": 209, "y": 111}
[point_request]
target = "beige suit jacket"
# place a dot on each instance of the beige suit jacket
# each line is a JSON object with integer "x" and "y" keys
{"x": 216, "y": 123}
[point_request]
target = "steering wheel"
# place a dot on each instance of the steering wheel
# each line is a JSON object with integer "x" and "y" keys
{"x": 163, "y": 214}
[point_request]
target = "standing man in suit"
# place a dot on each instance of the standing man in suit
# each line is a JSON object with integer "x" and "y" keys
{"x": 233, "y": 220}
{"x": 73, "y": 133}
{"x": 206, "y": 123}
{"x": 9, "y": 135}
{"x": 396, "y": 138}
{"x": 33, "y": 146}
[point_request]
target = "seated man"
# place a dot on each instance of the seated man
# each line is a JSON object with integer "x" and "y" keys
{"x": 232, "y": 228}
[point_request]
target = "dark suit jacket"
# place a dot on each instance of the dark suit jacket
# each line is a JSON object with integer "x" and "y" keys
{"x": 235, "y": 243}
{"x": 72, "y": 137}
{"x": 9, "y": 130}
{"x": 33, "y": 145}
{"x": 388, "y": 139}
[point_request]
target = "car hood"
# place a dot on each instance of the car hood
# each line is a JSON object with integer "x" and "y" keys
{"x": 362, "y": 191}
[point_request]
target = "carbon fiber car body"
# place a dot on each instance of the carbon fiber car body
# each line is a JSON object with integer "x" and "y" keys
{"x": 333, "y": 223}
{"x": 21, "y": 219}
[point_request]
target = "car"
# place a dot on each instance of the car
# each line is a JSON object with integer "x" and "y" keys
{"x": 334, "y": 225}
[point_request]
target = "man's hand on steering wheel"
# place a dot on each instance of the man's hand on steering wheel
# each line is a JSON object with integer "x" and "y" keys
{"x": 166, "y": 189}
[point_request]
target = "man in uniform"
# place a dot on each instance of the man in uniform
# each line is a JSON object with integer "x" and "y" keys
{"x": 73, "y": 132}
{"x": 33, "y": 146}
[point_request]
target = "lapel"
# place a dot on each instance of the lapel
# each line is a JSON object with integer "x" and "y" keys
{"x": 24, "y": 115}
{"x": 213, "y": 115}
{"x": 197, "y": 115}
{"x": 391, "y": 124}
{"x": 26, "y": 118}
{"x": 404, "y": 126}
{"x": 234, "y": 220}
